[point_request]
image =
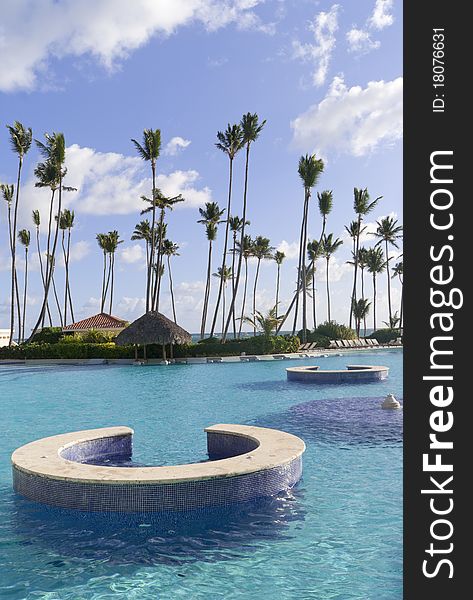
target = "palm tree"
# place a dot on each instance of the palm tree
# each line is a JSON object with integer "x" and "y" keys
{"x": 325, "y": 199}
{"x": 329, "y": 247}
{"x": 24, "y": 238}
{"x": 37, "y": 223}
{"x": 313, "y": 253}
{"x": 278, "y": 259}
{"x": 398, "y": 271}
{"x": 159, "y": 232}
{"x": 149, "y": 151}
{"x": 360, "y": 311}
{"x": 236, "y": 225}
{"x": 388, "y": 231}
{"x": 51, "y": 265}
{"x": 362, "y": 206}
{"x": 251, "y": 129}
{"x": 211, "y": 217}
{"x": 112, "y": 242}
{"x": 20, "y": 141}
{"x": 265, "y": 323}
{"x": 246, "y": 250}
{"x": 310, "y": 168}
{"x": 102, "y": 242}
{"x": 142, "y": 231}
{"x": 261, "y": 250}
{"x": 53, "y": 172}
{"x": 224, "y": 276}
{"x": 66, "y": 223}
{"x": 170, "y": 249}
{"x": 229, "y": 142}
{"x": 375, "y": 263}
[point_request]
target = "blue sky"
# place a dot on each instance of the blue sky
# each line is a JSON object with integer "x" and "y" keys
{"x": 326, "y": 76}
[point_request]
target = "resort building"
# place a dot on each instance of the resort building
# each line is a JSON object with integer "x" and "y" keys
{"x": 102, "y": 322}
{"x": 4, "y": 337}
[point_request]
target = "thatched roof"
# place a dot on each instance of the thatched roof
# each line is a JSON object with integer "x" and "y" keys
{"x": 153, "y": 328}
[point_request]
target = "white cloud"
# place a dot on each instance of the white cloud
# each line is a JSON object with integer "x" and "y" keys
{"x": 79, "y": 250}
{"x": 353, "y": 120}
{"x": 324, "y": 28}
{"x": 336, "y": 271}
{"x": 132, "y": 254}
{"x": 290, "y": 249}
{"x": 176, "y": 144}
{"x": 382, "y": 16}
{"x": 360, "y": 42}
{"x": 109, "y": 183}
{"x": 108, "y": 30}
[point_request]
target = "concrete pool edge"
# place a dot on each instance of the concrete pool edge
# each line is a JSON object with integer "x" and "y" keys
{"x": 352, "y": 374}
{"x": 272, "y": 464}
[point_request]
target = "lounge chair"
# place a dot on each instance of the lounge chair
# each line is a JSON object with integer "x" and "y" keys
{"x": 339, "y": 344}
{"x": 374, "y": 342}
{"x": 312, "y": 346}
{"x": 351, "y": 343}
{"x": 214, "y": 359}
{"x": 333, "y": 344}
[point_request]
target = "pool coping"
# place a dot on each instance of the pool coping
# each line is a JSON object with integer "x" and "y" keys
{"x": 42, "y": 458}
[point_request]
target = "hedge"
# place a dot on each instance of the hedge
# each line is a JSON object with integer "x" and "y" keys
{"x": 384, "y": 336}
{"x": 80, "y": 350}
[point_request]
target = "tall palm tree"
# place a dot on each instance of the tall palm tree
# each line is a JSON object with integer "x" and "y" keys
{"x": 20, "y": 141}
{"x": 314, "y": 249}
{"x": 325, "y": 200}
{"x": 66, "y": 223}
{"x": 310, "y": 168}
{"x": 375, "y": 263}
{"x": 37, "y": 223}
{"x": 260, "y": 250}
{"x": 142, "y": 231}
{"x": 360, "y": 311}
{"x": 163, "y": 203}
{"x": 149, "y": 151}
{"x": 362, "y": 206}
{"x": 389, "y": 232}
{"x": 102, "y": 242}
{"x": 53, "y": 171}
{"x": 112, "y": 242}
{"x": 51, "y": 265}
{"x": 329, "y": 247}
{"x": 362, "y": 257}
{"x": 251, "y": 129}
{"x": 7, "y": 191}
{"x": 278, "y": 259}
{"x": 211, "y": 217}
{"x": 224, "y": 275}
{"x": 246, "y": 250}
{"x": 398, "y": 271}
{"x": 236, "y": 225}
{"x": 229, "y": 142}
{"x": 24, "y": 238}
{"x": 170, "y": 249}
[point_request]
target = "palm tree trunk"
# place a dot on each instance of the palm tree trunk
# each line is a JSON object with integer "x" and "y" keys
{"x": 171, "y": 290}
{"x": 220, "y": 287}
{"x": 48, "y": 247}
{"x": 40, "y": 258}
{"x": 58, "y": 305}
{"x": 207, "y": 293}
{"x": 231, "y": 312}
{"x": 304, "y": 278}
{"x": 109, "y": 272}
{"x": 353, "y": 294}
{"x": 68, "y": 283}
{"x": 244, "y": 298}
{"x": 328, "y": 294}
{"x": 314, "y": 310}
{"x": 25, "y": 294}
{"x": 389, "y": 284}
{"x": 63, "y": 245}
{"x": 112, "y": 282}
{"x": 374, "y": 301}
{"x": 254, "y": 294}
{"x": 363, "y": 295}
{"x": 277, "y": 289}
{"x": 151, "y": 258}
{"x": 299, "y": 268}
{"x": 14, "y": 281}
{"x": 104, "y": 276}
{"x": 53, "y": 254}
{"x": 224, "y": 293}
{"x": 401, "y": 304}
{"x": 158, "y": 275}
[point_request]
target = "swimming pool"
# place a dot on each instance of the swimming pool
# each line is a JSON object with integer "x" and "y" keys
{"x": 338, "y": 534}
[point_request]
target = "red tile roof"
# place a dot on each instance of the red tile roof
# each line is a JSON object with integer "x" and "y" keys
{"x": 100, "y": 321}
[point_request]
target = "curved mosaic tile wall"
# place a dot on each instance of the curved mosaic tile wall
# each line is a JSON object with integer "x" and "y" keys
{"x": 245, "y": 463}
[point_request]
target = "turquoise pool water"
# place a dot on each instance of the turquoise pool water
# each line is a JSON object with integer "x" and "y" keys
{"x": 338, "y": 535}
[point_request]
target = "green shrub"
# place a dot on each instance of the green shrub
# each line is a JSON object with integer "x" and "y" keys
{"x": 48, "y": 335}
{"x": 335, "y": 331}
{"x": 209, "y": 340}
{"x": 95, "y": 336}
{"x": 385, "y": 335}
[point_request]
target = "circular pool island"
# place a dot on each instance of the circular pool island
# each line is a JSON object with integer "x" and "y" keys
{"x": 352, "y": 374}
{"x": 70, "y": 471}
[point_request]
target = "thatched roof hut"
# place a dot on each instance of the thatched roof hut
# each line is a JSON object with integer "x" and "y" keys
{"x": 153, "y": 328}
